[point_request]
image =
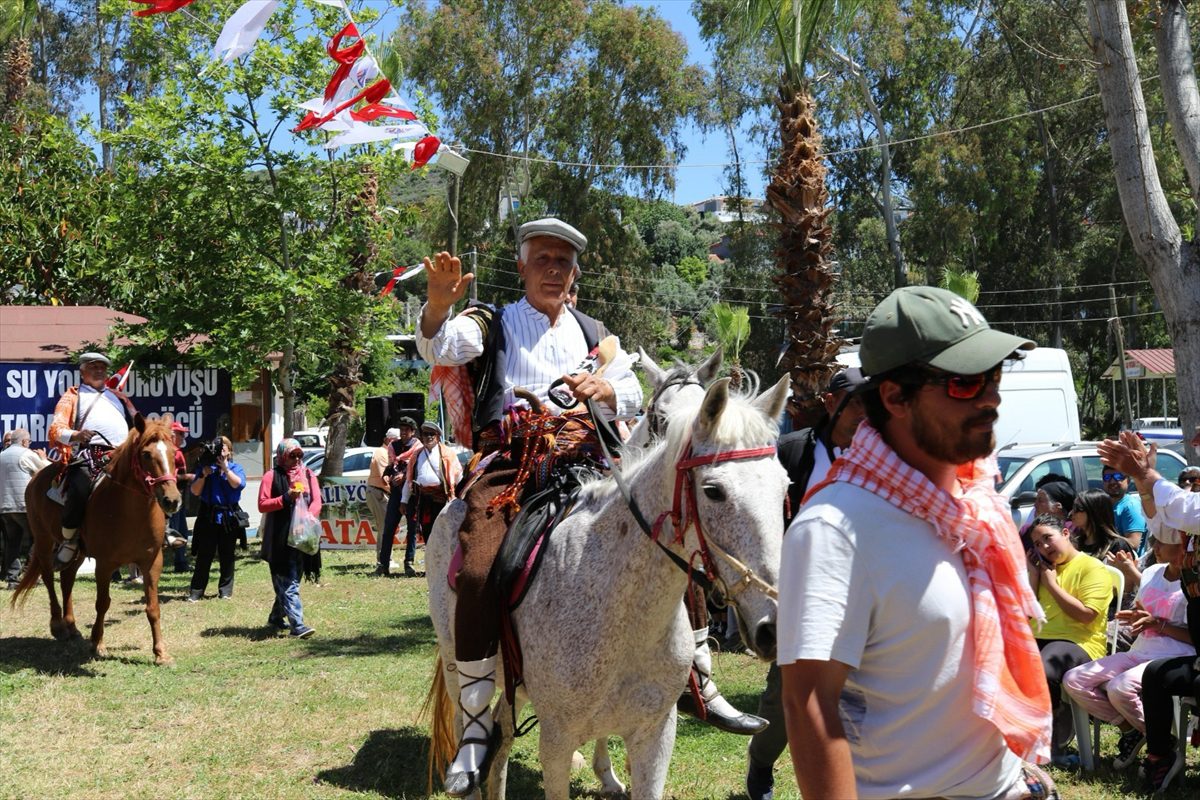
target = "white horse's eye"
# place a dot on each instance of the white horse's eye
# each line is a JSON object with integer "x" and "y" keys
{"x": 714, "y": 493}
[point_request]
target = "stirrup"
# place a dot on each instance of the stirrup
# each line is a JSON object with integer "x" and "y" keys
{"x": 68, "y": 550}
{"x": 461, "y": 784}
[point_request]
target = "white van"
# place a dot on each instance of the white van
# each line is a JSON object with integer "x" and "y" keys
{"x": 1038, "y": 400}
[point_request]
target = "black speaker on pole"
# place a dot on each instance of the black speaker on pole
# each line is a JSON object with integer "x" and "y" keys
{"x": 408, "y": 404}
{"x": 378, "y": 417}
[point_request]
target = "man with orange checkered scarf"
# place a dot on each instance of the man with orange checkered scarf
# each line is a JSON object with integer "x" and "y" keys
{"x": 908, "y": 663}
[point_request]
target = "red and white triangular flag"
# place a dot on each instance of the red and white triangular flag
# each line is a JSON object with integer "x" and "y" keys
{"x": 118, "y": 379}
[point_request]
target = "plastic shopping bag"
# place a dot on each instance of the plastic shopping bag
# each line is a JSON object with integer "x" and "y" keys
{"x": 305, "y": 533}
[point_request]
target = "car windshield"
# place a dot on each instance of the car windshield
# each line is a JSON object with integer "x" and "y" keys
{"x": 308, "y": 439}
{"x": 1008, "y": 467}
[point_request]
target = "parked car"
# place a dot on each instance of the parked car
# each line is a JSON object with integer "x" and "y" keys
{"x": 356, "y": 463}
{"x": 1021, "y": 466}
{"x": 311, "y": 441}
{"x": 1164, "y": 430}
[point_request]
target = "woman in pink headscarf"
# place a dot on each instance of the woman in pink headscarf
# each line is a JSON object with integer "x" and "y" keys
{"x": 288, "y": 485}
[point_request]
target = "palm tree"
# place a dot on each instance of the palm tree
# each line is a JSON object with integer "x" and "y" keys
{"x": 798, "y": 194}
{"x": 964, "y": 283}
{"x": 732, "y": 329}
{"x": 16, "y": 20}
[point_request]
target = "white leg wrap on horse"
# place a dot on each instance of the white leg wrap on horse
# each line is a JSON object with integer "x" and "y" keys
{"x": 476, "y": 686}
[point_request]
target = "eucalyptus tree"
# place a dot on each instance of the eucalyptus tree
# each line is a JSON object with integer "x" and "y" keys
{"x": 1171, "y": 261}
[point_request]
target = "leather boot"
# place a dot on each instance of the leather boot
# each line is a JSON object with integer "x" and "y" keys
{"x": 476, "y": 685}
{"x": 67, "y": 549}
{"x": 719, "y": 712}
{"x": 409, "y": 572}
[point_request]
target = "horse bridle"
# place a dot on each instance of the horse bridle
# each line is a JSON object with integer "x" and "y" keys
{"x": 682, "y": 517}
{"x": 656, "y": 420}
{"x": 144, "y": 478}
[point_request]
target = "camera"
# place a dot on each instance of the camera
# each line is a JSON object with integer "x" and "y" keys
{"x": 210, "y": 453}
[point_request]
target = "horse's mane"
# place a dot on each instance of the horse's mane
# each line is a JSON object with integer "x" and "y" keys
{"x": 740, "y": 426}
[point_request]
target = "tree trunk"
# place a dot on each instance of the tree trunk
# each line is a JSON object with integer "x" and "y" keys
{"x": 18, "y": 63}
{"x": 1172, "y": 265}
{"x": 899, "y": 269}
{"x": 347, "y": 374}
{"x": 798, "y": 195}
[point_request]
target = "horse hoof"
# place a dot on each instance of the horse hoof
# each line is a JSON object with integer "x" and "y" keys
{"x": 164, "y": 660}
{"x": 99, "y": 652}
{"x": 60, "y": 632}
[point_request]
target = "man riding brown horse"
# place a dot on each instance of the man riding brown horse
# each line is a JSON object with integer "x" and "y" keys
{"x": 537, "y": 344}
{"x": 95, "y": 419}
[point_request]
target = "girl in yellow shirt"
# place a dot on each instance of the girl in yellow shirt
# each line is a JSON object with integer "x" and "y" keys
{"x": 1075, "y": 591}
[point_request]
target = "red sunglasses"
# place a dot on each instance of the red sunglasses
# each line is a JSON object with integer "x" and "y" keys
{"x": 964, "y": 387}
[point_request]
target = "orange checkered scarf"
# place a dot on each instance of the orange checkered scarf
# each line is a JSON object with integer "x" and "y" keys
{"x": 1010, "y": 684}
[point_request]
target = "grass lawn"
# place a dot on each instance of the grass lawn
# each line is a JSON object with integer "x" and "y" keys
{"x": 246, "y": 712}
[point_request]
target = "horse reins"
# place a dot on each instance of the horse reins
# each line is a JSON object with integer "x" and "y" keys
{"x": 655, "y": 422}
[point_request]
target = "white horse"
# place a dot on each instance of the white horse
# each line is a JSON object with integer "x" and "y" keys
{"x": 671, "y": 389}
{"x": 606, "y": 640}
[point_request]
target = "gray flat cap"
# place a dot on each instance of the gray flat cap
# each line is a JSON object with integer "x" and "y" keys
{"x": 432, "y": 427}
{"x": 86, "y": 357}
{"x": 550, "y": 226}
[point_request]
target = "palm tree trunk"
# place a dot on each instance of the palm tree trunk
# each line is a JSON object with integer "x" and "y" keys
{"x": 18, "y": 62}
{"x": 798, "y": 195}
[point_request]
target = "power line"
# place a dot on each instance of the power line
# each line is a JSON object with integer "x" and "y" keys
{"x": 862, "y": 294}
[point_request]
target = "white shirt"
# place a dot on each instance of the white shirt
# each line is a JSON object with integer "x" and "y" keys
{"x": 1178, "y": 508}
{"x": 868, "y": 585}
{"x": 1164, "y": 600}
{"x": 426, "y": 472}
{"x": 107, "y": 418}
{"x": 537, "y": 354}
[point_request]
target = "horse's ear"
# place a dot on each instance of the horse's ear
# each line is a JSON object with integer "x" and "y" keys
{"x": 772, "y": 401}
{"x": 139, "y": 422}
{"x": 654, "y": 373}
{"x": 711, "y": 366}
{"x": 711, "y": 408}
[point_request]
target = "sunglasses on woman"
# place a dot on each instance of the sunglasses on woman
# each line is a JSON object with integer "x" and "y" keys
{"x": 964, "y": 387}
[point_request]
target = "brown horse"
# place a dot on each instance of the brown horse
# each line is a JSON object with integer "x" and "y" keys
{"x": 124, "y": 524}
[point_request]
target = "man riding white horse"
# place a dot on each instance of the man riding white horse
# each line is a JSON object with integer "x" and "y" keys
{"x": 95, "y": 419}
{"x": 530, "y": 344}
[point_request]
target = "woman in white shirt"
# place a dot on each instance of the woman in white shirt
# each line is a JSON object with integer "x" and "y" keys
{"x": 1109, "y": 688}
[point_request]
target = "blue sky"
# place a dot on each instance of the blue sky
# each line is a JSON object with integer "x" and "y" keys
{"x": 697, "y": 182}
{"x": 700, "y": 174}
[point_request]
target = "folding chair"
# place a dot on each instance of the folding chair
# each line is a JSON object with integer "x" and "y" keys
{"x": 1088, "y": 746}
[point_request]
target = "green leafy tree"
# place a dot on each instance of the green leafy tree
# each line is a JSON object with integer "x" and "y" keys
{"x": 587, "y": 84}
{"x": 964, "y": 283}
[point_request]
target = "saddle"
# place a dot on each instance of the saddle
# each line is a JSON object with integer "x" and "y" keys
{"x": 93, "y": 458}
{"x": 521, "y": 555}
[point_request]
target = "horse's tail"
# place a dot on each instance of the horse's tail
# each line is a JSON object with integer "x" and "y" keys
{"x": 439, "y": 707}
{"x": 33, "y": 572}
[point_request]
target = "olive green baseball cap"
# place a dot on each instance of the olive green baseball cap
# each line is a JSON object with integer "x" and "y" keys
{"x": 935, "y": 327}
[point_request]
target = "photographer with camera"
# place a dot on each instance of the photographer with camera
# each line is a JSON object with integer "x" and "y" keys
{"x": 218, "y": 483}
